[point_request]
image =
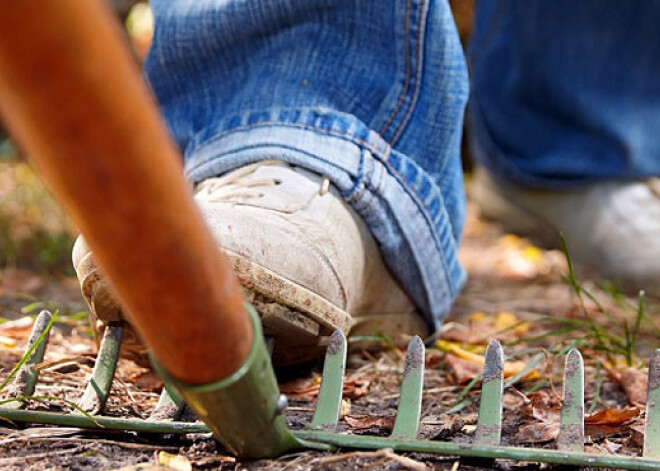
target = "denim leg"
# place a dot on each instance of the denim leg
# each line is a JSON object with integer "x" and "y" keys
{"x": 566, "y": 93}
{"x": 369, "y": 93}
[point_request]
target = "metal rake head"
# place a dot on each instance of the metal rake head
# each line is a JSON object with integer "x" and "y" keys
{"x": 487, "y": 438}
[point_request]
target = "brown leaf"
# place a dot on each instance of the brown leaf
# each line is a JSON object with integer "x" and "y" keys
{"x": 19, "y": 328}
{"x": 308, "y": 388}
{"x": 462, "y": 371}
{"x": 539, "y": 432}
{"x": 543, "y": 406}
{"x": 635, "y": 384}
{"x": 611, "y": 416}
{"x": 148, "y": 381}
{"x": 364, "y": 422}
{"x": 302, "y": 388}
{"x": 355, "y": 388}
{"x": 608, "y": 422}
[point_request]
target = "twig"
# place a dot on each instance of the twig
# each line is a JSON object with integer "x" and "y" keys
{"x": 384, "y": 453}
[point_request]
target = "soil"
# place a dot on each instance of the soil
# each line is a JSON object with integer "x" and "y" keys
{"x": 507, "y": 275}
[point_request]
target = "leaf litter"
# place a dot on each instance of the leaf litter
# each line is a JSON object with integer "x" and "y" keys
{"x": 536, "y": 315}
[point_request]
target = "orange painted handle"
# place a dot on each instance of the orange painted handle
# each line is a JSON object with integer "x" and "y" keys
{"x": 71, "y": 96}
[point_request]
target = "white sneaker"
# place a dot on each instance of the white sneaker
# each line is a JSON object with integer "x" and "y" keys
{"x": 612, "y": 228}
{"x": 307, "y": 262}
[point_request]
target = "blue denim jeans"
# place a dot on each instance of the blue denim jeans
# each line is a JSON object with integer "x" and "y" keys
{"x": 370, "y": 93}
{"x": 565, "y": 92}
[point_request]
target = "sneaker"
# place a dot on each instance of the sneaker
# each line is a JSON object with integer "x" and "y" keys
{"x": 305, "y": 259}
{"x": 612, "y": 228}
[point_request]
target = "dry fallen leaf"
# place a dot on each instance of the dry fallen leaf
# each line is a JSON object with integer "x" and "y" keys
{"x": 6, "y": 342}
{"x": 611, "y": 416}
{"x": 608, "y": 422}
{"x": 539, "y": 432}
{"x": 308, "y": 388}
{"x": 364, "y": 422}
{"x": 18, "y": 328}
{"x": 148, "y": 381}
{"x": 462, "y": 371}
{"x": 506, "y": 320}
{"x": 635, "y": 383}
{"x": 511, "y": 368}
{"x": 178, "y": 462}
{"x": 543, "y": 406}
{"x": 482, "y": 327}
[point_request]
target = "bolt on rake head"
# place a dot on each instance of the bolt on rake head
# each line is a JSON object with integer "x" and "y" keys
{"x": 319, "y": 434}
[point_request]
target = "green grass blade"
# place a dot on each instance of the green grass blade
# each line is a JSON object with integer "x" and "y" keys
{"x": 26, "y": 378}
{"x": 599, "y": 386}
{"x": 35, "y": 345}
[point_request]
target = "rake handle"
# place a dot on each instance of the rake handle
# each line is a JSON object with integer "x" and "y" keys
{"x": 72, "y": 98}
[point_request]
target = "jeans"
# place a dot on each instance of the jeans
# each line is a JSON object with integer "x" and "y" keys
{"x": 369, "y": 93}
{"x": 566, "y": 93}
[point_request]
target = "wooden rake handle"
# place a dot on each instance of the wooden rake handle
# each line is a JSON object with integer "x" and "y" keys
{"x": 71, "y": 96}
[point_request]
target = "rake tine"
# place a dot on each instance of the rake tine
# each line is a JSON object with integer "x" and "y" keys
{"x": 329, "y": 403}
{"x": 169, "y": 407}
{"x": 26, "y": 378}
{"x": 98, "y": 388}
{"x": 410, "y": 399}
{"x": 652, "y": 431}
{"x": 571, "y": 430}
{"x": 489, "y": 423}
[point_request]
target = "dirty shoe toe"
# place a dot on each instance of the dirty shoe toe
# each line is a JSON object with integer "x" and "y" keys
{"x": 305, "y": 259}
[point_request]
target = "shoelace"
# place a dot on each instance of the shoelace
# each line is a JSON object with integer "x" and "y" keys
{"x": 233, "y": 185}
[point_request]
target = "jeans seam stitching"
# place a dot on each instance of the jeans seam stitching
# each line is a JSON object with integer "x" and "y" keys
{"x": 417, "y": 83}
{"x": 408, "y": 73}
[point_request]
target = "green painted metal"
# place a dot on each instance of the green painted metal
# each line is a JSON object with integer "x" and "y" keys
{"x": 652, "y": 432}
{"x": 243, "y": 406}
{"x": 246, "y": 411}
{"x": 98, "y": 388}
{"x": 489, "y": 423}
{"x": 103, "y": 422}
{"x": 26, "y": 379}
{"x": 571, "y": 429}
{"x": 332, "y": 383}
{"x": 410, "y": 398}
{"x": 350, "y": 441}
{"x": 480, "y": 451}
{"x": 169, "y": 406}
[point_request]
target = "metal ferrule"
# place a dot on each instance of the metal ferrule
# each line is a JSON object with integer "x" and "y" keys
{"x": 244, "y": 411}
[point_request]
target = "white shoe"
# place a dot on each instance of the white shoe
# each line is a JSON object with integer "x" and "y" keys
{"x": 612, "y": 228}
{"x": 307, "y": 262}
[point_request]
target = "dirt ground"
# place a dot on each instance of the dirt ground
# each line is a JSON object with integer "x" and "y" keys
{"x": 511, "y": 281}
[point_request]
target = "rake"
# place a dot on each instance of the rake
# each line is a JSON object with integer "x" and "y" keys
{"x": 321, "y": 433}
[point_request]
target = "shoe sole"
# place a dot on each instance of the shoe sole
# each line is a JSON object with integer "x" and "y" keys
{"x": 294, "y": 316}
